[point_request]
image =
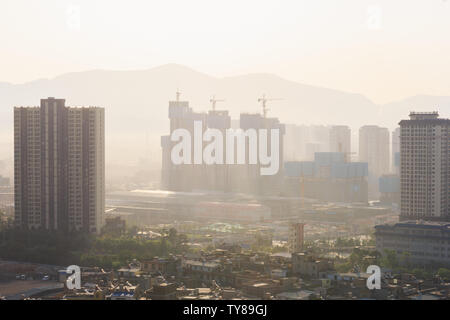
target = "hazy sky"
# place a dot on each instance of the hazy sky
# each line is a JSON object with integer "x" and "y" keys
{"x": 385, "y": 49}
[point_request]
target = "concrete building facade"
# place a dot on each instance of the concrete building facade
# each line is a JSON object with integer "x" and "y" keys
{"x": 416, "y": 242}
{"x": 328, "y": 178}
{"x": 395, "y": 151}
{"x": 425, "y": 167}
{"x": 340, "y": 140}
{"x": 296, "y": 237}
{"x": 374, "y": 149}
{"x": 59, "y": 167}
{"x": 245, "y": 178}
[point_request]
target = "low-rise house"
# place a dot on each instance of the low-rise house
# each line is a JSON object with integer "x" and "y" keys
{"x": 128, "y": 273}
{"x": 262, "y": 289}
{"x": 295, "y": 295}
{"x": 165, "y": 266}
{"x": 203, "y": 271}
{"x": 307, "y": 265}
{"x": 163, "y": 291}
{"x": 125, "y": 292}
{"x": 278, "y": 273}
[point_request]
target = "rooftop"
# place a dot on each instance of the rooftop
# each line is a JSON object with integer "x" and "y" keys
{"x": 417, "y": 224}
{"x": 423, "y": 115}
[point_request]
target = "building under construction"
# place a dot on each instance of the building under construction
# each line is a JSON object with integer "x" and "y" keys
{"x": 244, "y": 178}
{"x": 328, "y": 178}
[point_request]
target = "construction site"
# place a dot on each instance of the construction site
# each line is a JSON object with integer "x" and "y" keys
{"x": 237, "y": 178}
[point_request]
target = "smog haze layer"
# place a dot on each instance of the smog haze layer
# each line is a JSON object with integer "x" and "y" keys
{"x": 352, "y": 63}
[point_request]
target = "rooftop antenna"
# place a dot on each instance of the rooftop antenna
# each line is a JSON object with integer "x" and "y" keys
{"x": 213, "y": 101}
{"x": 264, "y": 101}
{"x": 178, "y": 93}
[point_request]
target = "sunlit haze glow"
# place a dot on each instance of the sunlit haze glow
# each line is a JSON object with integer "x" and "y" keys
{"x": 335, "y": 44}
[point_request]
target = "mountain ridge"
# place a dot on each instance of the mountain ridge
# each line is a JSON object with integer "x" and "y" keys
{"x": 136, "y": 101}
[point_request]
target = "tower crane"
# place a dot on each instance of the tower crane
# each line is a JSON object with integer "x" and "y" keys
{"x": 213, "y": 101}
{"x": 264, "y": 101}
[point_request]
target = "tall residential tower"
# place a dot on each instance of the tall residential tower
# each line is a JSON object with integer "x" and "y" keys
{"x": 374, "y": 149}
{"x": 340, "y": 140}
{"x": 59, "y": 167}
{"x": 425, "y": 167}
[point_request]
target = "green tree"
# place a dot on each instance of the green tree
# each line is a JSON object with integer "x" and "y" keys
{"x": 444, "y": 273}
{"x": 390, "y": 259}
{"x": 405, "y": 259}
{"x": 173, "y": 235}
{"x": 163, "y": 248}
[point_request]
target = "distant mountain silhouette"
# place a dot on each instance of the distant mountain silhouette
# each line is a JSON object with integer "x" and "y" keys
{"x": 136, "y": 102}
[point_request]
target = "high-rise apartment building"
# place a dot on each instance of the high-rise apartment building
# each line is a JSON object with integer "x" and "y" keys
{"x": 301, "y": 142}
{"x": 374, "y": 149}
{"x": 395, "y": 166}
{"x": 340, "y": 140}
{"x": 296, "y": 237}
{"x": 183, "y": 177}
{"x": 425, "y": 167}
{"x": 246, "y": 178}
{"x": 224, "y": 177}
{"x": 59, "y": 167}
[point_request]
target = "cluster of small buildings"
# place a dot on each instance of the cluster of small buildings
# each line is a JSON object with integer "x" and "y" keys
{"x": 222, "y": 274}
{"x": 219, "y": 274}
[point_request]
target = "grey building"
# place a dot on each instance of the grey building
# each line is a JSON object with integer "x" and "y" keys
{"x": 425, "y": 167}
{"x": 4, "y": 181}
{"x": 416, "y": 242}
{"x": 395, "y": 154}
{"x": 59, "y": 167}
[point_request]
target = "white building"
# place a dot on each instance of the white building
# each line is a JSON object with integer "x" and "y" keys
{"x": 374, "y": 149}
{"x": 340, "y": 140}
{"x": 296, "y": 237}
{"x": 425, "y": 167}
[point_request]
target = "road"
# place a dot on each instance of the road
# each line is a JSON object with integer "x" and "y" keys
{"x": 16, "y": 289}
